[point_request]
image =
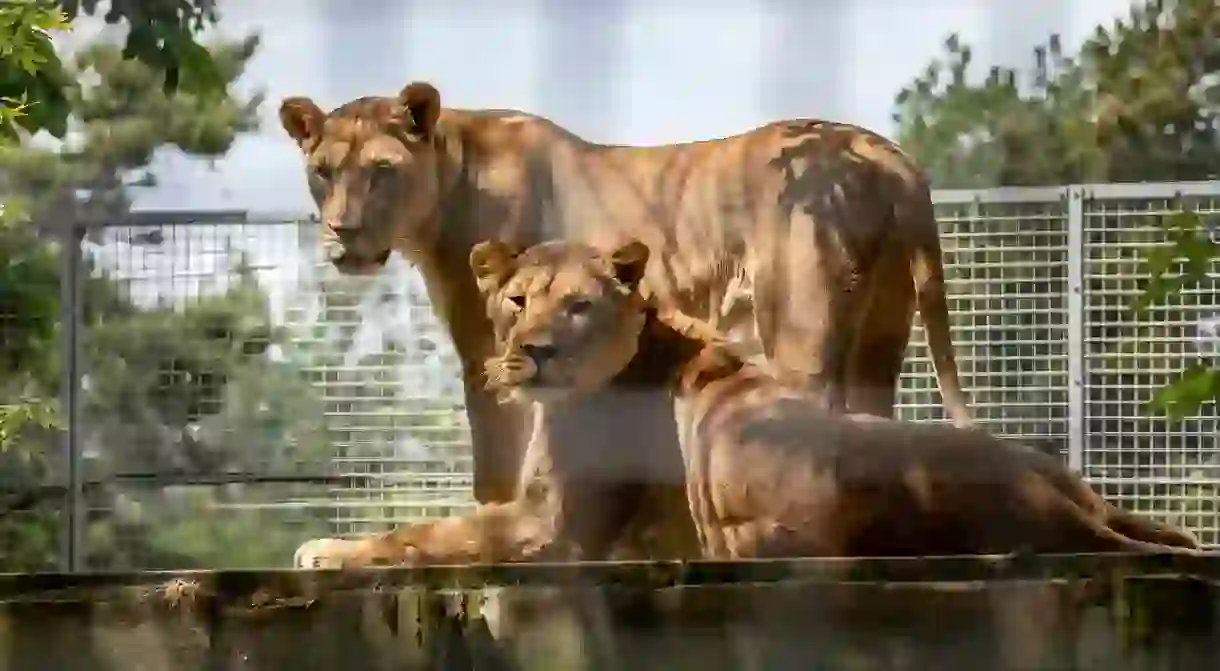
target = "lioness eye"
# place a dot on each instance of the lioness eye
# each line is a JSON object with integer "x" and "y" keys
{"x": 322, "y": 171}
{"x": 579, "y": 306}
{"x": 383, "y": 166}
{"x": 519, "y": 301}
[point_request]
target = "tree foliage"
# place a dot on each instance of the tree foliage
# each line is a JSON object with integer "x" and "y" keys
{"x": 1137, "y": 102}
{"x": 171, "y": 389}
{"x": 191, "y": 390}
{"x": 35, "y": 85}
{"x": 122, "y": 118}
{"x": 30, "y": 69}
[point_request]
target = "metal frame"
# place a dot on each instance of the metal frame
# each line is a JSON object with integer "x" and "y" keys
{"x": 1046, "y": 194}
{"x": 1075, "y": 198}
{"x": 71, "y": 310}
{"x": 1076, "y": 371}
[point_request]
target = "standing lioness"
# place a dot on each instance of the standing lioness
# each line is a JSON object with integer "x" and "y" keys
{"x": 829, "y": 225}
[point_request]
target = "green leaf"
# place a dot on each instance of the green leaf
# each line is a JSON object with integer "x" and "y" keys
{"x": 1185, "y": 220}
{"x": 1156, "y": 263}
{"x": 1197, "y": 385}
{"x": 1189, "y": 242}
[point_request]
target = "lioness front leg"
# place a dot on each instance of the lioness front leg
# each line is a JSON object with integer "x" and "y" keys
{"x": 498, "y": 437}
{"x": 492, "y": 533}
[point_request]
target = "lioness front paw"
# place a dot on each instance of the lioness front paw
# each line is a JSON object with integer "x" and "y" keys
{"x": 324, "y": 553}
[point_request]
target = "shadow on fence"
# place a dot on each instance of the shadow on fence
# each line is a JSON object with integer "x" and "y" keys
{"x": 1111, "y": 612}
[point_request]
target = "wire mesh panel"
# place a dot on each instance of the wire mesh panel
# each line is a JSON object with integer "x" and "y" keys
{"x": 241, "y": 397}
{"x": 386, "y": 370}
{"x": 1006, "y": 261}
{"x": 1132, "y": 454}
{"x": 183, "y": 380}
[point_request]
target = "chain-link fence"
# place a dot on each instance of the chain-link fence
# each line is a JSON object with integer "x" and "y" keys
{"x": 229, "y": 394}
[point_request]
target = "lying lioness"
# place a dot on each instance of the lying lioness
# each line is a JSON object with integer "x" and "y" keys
{"x": 767, "y": 472}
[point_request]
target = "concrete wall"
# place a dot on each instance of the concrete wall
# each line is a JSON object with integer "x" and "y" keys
{"x": 1097, "y": 612}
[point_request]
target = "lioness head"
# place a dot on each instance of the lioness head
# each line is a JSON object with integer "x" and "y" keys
{"x": 372, "y": 166}
{"x": 567, "y": 317}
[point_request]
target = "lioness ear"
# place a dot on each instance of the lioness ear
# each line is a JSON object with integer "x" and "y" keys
{"x": 419, "y": 108}
{"x": 629, "y": 262}
{"x": 493, "y": 262}
{"x": 303, "y": 120}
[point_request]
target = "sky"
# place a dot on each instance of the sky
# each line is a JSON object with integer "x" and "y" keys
{"x": 639, "y": 71}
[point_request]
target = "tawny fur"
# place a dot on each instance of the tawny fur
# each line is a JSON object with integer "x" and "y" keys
{"x": 815, "y": 239}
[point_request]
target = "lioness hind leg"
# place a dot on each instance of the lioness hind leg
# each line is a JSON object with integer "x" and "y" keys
{"x": 882, "y": 336}
{"x": 1072, "y": 528}
{"x": 1110, "y": 540}
{"x": 1147, "y": 529}
{"x": 1128, "y": 524}
{"x": 803, "y": 317}
{"x": 768, "y": 539}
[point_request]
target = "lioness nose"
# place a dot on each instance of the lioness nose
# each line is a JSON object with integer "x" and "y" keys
{"x": 539, "y": 353}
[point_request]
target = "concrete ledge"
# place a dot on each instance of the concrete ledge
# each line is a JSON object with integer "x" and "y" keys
{"x": 1109, "y": 612}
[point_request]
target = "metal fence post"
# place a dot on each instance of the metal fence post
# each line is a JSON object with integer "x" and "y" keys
{"x": 1075, "y": 326}
{"x": 72, "y": 528}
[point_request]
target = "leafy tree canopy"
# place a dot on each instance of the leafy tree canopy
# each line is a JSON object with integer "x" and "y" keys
{"x": 35, "y": 85}
{"x": 1138, "y": 102}
{"x": 186, "y": 389}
